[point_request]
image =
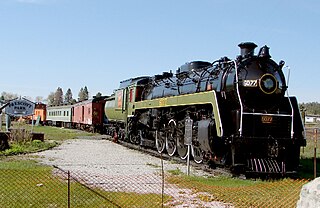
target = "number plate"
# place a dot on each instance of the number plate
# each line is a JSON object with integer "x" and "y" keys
{"x": 250, "y": 83}
{"x": 266, "y": 119}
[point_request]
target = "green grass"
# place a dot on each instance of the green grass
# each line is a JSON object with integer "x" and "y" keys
{"x": 28, "y": 147}
{"x": 25, "y": 183}
{"x": 60, "y": 134}
{"x": 52, "y": 137}
{"x": 307, "y": 153}
{"x": 242, "y": 193}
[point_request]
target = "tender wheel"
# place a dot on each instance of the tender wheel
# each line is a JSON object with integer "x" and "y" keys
{"x": 197, "y": 154}
{"x": 160, "y": 141}
{"x": 170, "y": 141}
{"x": 182, "y": 149}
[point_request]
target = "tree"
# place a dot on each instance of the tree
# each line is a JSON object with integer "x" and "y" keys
{"x": 68, "y": 97}
{"x": 28, "y": 98}
{"x": 58, "y": 96}
{"x": 311, "y": 108}
{"x": 86, "y": 93}
{"x": 98, "y": 95}
{"x": 80, "y": 95}
{"x": 39, "y": 99}
{"x": 50, "y": 98}
{"x": 83, "y": 94}
{"x": 8, "y": 96}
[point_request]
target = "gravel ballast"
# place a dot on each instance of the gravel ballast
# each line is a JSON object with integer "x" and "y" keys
{"x": 102, "y": 156}
{"x": 99, "y": 162}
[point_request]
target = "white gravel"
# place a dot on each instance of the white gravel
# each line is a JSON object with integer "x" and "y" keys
{"x": 99, "y": 156}
{"x": 102, "y": 163}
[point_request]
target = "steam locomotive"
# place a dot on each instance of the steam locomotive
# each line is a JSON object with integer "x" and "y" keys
{"x": 233, "y": 113}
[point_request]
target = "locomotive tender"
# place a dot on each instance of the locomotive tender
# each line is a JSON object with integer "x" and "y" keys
{"x": 232, "y": 112}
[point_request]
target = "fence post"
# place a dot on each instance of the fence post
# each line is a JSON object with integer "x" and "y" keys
{"x": 162, "y": 187}
{"x": 315, "y": 131}
{"x": 68, "y": 189}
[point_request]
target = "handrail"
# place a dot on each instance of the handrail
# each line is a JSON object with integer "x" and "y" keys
{"x": 238, "y": 93}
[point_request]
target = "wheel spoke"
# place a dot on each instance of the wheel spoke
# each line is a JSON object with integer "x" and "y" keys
{"x": 134, "y": 137}
{"x": 182, "y": 149}
{"x": 160, "y": 141}
{"x": 197, "y": 154}
{"x": 170, "y": 146}
{"x": 170, "y": 141}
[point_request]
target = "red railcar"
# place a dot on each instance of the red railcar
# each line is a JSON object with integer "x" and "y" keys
{"x": 89, "y": 114}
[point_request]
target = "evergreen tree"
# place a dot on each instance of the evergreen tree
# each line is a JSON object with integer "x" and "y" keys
{"x": 83, "y": 94}
{"x": 50, "y": 98}
{"x": 86, "y": 93}
{"x": 311, "y": 108}
{"x": 80, "y": 95}
{"x": 58, "y": 97}
{"x": 68, "y": 97}
{"x": 98, "y": 95}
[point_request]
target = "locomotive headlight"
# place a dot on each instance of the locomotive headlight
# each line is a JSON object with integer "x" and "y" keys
{"x": 268, "y": 84}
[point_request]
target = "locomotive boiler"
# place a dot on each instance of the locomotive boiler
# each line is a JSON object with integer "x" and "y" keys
{"x": 233, "y": 113}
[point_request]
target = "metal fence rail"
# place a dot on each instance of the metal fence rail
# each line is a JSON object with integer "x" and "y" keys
{"x": 55, "y": 187}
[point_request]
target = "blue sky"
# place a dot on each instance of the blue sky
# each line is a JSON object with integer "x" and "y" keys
{"x": 46, "y": 44}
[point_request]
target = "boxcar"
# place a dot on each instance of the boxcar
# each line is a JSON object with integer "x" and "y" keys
{"x": 59, "y": 116}
{"x": 89, "y": 115}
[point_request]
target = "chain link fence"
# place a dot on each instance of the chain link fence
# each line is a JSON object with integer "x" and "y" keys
{"x": 55, "y": 187}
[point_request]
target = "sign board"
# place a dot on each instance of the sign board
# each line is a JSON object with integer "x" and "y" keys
{"x": 188, "y": 132}
{"x": 20, "y": 107}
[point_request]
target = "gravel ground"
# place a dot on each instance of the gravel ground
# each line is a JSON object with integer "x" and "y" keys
{"x": 100, "y": 156}
{"x": 122, "y": 169}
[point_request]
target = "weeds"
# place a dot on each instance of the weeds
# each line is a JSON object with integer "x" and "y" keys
{"x": 21, "y": 138}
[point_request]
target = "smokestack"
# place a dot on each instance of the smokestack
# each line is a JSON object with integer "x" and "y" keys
{"x": 247, "y": 49}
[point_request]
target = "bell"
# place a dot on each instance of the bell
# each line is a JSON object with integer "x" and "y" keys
{"x": 264, "y": 52}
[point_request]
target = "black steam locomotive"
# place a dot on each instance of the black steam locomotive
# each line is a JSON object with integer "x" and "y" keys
{"x": 230, "y": 112}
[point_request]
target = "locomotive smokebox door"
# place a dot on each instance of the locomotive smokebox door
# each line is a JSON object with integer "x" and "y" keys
{"x": 188, "y": 132}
